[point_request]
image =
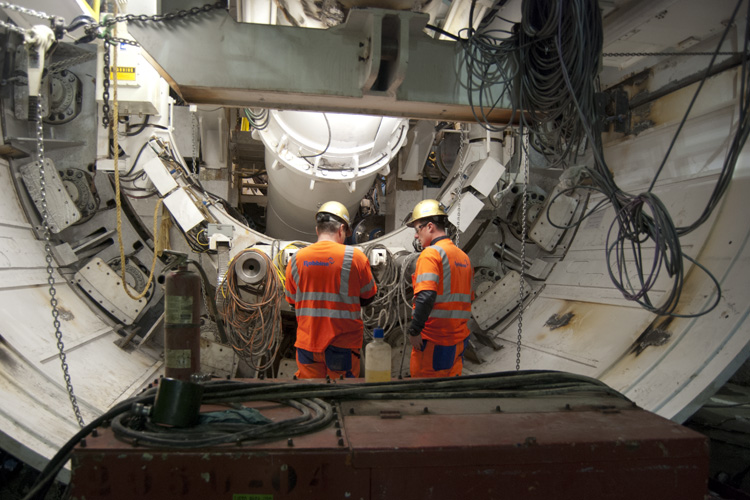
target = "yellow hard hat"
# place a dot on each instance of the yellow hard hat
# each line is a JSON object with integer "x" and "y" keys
{"x": 426, "y": 208}
{"x": 339, "y": 211}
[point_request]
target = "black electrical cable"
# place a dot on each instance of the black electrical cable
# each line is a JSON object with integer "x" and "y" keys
{"x": 637, "y": 225}
{"x": 552, "y": 59}
{"x": 316, "y": 413}
{"x": 330, "y": 137}
{"x": 141, "y": 127}
{"x": 697, "y": 92}
{"x": 57, "y": 462}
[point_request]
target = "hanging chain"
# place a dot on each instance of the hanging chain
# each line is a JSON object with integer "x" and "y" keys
{"x": 204, "y": 293}
{"x": 66, "y": 63}
{"x": 105, "y": 87}
{"x": 523, "y": 259}
{"x": 195, "y": 131}
{"x": 458, "y": 212}
{"x": 462, "y": 178}
{"x": 110, "y": 40}
{"x": 49, "y": 259}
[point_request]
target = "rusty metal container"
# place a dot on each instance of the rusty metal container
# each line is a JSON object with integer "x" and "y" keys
{"x": 563, "y": 447}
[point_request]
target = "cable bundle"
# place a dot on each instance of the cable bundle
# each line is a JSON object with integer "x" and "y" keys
{"x": 258, "y": 120}
{"x": 383, "y": 311}
{"x": 315, "y": 412}
{"x": 526, "y": 59}
{"x": 553, "y": 57}
{"x": 253, "y": 327}
{"x": 392, "y": 306}
{"x": 558, "y": 39}
{"x": 641, "y": 218}
{"x": 278, "y": 256}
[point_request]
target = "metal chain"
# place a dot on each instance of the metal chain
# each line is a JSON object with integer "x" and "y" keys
{"x": 204, "y": 293}
{"x": 195, "y": 149}
{"x": 646, "y": 54}
{"x": 523, "y": 259}
{"x": 458, "y": 212}
{"x": 13, "y": 27}
{"x": 169, "y": 16}
{"x": 105, "y": 87}
{"x": 110, "y": 40}
{"x": 460, "y": 160}
{"x": 50, "y": 269}
{"x": 24, "y": 10}
{"x": 119, "y": 41}
{"x": 66, "y": 63}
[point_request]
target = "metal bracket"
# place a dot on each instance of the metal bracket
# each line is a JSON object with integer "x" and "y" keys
{"x": 61, "y": 209}
{"x": 379, "y": 62}
{"x": 104, "y": 285}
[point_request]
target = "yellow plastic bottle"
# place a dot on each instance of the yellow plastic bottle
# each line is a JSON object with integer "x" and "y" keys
{"x": 378, "y": 358}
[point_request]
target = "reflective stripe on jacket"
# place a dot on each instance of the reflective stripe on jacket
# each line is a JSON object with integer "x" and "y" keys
{"x": 446, "y": 269}
{"x": 324, "y": 283}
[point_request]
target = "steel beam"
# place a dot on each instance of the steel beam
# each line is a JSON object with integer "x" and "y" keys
{"x": 378, "y": 62}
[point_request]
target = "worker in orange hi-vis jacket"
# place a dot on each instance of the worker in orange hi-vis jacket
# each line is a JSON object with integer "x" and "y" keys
{"x": 327, "y": 283}
{"x": 442, "y": 296}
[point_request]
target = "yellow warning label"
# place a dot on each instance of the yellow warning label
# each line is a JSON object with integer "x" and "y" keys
{"x": 123, "y": 73}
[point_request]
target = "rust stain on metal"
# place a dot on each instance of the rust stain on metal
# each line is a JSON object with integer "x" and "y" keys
{"x": 65, "y": 314}
{"x": 558, "y": 321}
{"x": 213, "y": 174}
{"x": 655, "y": 335}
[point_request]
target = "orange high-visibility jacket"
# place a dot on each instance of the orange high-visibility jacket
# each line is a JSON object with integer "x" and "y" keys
{"x": 324, "y": 283}
{"x": 446, "y": 269}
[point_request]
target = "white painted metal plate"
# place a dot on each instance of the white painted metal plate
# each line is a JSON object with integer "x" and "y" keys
{"x": 467, "y": 210}
{"x": 561, "y": 211}
{"x": 183, "y": 209}
{"x": 419, "y": 142}
{"x": 11, "y": 213}
{"x": 217, "y": 359}
{"x": 287, "y": 369}
{"x": 160, "y": 176}
{"x": 104, "y": 285}
{"x": 498, "y": 301}
{"x": 485, "y": 175}
{"x": 61, "y": 210}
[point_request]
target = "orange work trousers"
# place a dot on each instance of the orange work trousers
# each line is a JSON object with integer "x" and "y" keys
{"x": 334, "y": 362}
{"x": 437, "y": 360}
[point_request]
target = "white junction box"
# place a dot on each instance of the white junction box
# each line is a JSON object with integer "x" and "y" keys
{"x": 485, "y": 174}
{"x": 288, "y": 253}
{"x": 378, "y": 257}
{"x": 469, "y": 207}
{"x": 140, "y": 89}
{"x": 160, "y": 176}
{"x": 183, "y": 209}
